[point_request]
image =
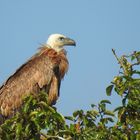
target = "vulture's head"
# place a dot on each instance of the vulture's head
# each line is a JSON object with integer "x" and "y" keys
{"x": 58, "y": 41}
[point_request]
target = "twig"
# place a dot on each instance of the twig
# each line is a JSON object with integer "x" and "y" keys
{"x": 120, "y": 61}
{"x": 137, "y": 63}
{"x": 116, "y": 56}
{"x": 48, "y": 136}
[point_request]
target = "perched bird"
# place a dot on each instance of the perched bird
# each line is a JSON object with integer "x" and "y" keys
{"x": 43, "y": 71}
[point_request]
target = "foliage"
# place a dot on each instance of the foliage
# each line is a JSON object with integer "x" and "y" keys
{"x": 38, "y": 120}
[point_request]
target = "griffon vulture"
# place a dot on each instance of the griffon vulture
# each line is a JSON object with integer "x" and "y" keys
{"x": 43, "y": 71}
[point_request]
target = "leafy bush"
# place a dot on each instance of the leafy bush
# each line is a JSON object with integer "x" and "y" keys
{"x": 38, "y": 120}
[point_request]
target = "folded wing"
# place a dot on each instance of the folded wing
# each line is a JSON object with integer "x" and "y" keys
{"x": 30, "y": 78}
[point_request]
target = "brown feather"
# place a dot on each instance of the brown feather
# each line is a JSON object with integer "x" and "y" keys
{"x": 45, "y": 69}
{"x": 53, "y": 92}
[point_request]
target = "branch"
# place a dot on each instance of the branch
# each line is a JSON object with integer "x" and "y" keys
{"x": 137, "y": 63}
{"x": 122, "y": 65}
{"x": 116, "y": 56}
{"x": 55, "y": 137}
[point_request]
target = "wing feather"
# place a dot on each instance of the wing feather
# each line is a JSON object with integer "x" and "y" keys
{"x": 37, "y": 71}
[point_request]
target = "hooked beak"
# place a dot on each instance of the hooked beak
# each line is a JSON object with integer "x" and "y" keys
{"x": 69, "y": 42}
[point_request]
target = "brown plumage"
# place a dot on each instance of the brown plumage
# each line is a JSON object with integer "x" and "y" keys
{"x": 43, "y": 71}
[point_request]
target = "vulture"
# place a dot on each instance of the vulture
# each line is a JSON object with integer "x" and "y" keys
{"x": 43, "y": 71}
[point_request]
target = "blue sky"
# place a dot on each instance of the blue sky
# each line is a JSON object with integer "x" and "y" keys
{"x": 96, "y": 25}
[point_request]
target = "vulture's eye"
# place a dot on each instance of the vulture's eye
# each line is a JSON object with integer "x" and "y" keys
{"x": 61, "y": 38}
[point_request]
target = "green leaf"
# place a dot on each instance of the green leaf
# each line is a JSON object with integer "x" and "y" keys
{"x": 102, "y": 106}
{"x": 124, "y": 101}
{"x": 133, "y": 57}
{"x": 105, "y": 102}
{"x": 60, "y": 117}
{"x": 109, "y": 90}
{"x": 121, "y": 113}
{"x": 65, "y": 132}
{"x": 118, "y": 108}
{"x": 27, "y": 129}
{"x": 43, "y": 104}
{"x": 138, "y": 137}
{"x": 110, "y": 119}
{"x": 77, "y": 113}
{"x": 93, "y": 105}
{"x": 33, "y": 113}
{"x": 42, "y": 113}
{"x": 106, "y": 120}
{"x": 136, "y": 72}
{"x": 18, "y": 129}
{"x": 27, "y": 104}
{"x": 69, "y": 118}
{"x": 110, "y": 113}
